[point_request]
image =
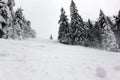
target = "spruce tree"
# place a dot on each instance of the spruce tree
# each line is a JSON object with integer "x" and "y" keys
{"x": 117, "y": 27}
{"x": 11, "y": 4}
{"x": 117, "y": 20}
{"x": 102, "y": 20}
{"x": 51, "y": 37}
{"x": 97, "y": 35}
{"x": 108, "y": 40}
{"x": 112, "y": 25}
{"x": 89, "y": 28}
{"x": 78, "y": 32}
{"x": 90, "y": 34}
{"x": 64, "y": 29}
{"x": 99, "y": 26}
{"x": 107, "y": 35}
{"x": 13, "y": 25}
{"x": 22, "y": 26}
{"x": 4, "y": 19}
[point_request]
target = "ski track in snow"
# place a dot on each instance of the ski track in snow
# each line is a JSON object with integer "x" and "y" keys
{"x": 40, "y": 59}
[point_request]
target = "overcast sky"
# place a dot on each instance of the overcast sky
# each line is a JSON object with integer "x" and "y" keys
{"x": 44, "y": 14}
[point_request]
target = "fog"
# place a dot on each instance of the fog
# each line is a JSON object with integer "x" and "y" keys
{"x": 44, "y": 14}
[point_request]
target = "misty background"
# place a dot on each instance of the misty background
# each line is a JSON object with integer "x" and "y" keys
{"x": 44, "y": 14}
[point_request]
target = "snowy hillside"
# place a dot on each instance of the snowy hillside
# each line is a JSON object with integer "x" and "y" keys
{"x": 39, "y": 59}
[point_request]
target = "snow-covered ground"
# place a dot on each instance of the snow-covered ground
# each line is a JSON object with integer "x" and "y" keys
{"x": 40, "y": 59}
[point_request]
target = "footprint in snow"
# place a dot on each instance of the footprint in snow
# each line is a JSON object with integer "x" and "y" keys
{"x": 42, "y": 46}
{"x": 4, "y": 54}
{"x": 117, "y": 68}
{"x": 101, "y": 73}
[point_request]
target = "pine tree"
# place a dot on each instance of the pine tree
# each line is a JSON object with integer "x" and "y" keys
{"x": 89, "y": 28}
{"x": 22, "y": 26}
{"x": 4, "y": 19}
{"x": 117, "y": 20}
{"x": 97, "y": 35}
{"x": 51, "y": 37}
{"x": 112, "y": 25}
{"x": 64, "y": 29}
{"x": 99, "y": 26}
{"x": 107, "y": 35}
{"x": 117, "y": 27}
{"x": 78, "y": 32}
{"x": 90, "y": 34}
{"x": 13, "y": 25}
{"x": 108, "y": 40}
{"x": 11, "y": 4}
{"x": 102, "y": 20}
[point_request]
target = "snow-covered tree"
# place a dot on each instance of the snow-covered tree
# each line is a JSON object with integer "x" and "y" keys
{"x": 90, "y": 33}
{"x": 108, "y": 40}
{"x": 51, "y": 37}
{"x": 78, "y": 32}
{"x": 97, "y": 35}
{"x": 107, "y": 35}
{"x": 4, "y": 18}
{"x": 22, "y": 26}
{"x": 116, "y": 27}
{"x": 11, "y": 4}
{"x": 64, "y": 29}
{"x": 89, "y": 28}
{"x": 13, "y": 25}
{"x": 117, "y": 20}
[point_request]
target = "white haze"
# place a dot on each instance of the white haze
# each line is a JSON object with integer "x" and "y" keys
{"x": 44, "y": 14}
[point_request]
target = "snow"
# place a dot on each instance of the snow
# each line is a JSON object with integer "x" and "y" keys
{"x": 42, "y": 59}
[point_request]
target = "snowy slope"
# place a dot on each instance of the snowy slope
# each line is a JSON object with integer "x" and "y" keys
{"x": 39, "y": 59}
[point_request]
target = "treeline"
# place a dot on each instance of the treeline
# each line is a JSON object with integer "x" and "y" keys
{"x": 103, "y": 34}
{"x": 13, "y": 24}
